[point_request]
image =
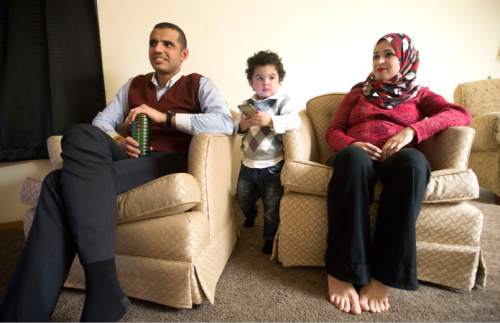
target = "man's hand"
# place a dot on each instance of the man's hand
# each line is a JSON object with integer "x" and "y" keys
{"x": 398, "y": 141}
{"x": 261, "y": 119}
{"x": 129, "y": 146}
{"x": 373, "y": 151}
{"x": 154, "y": 115}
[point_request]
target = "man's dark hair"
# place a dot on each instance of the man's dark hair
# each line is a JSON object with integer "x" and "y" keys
{"x": 262, "y": 58}
{"x": 167, "y": 25}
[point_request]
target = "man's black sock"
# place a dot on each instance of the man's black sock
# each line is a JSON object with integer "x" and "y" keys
{"x": 104, "y": 299}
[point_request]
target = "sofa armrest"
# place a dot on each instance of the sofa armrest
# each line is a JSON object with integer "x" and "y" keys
{"x": 300, "y": 144}
{"x": 487, "y": 128}
{"x": 449, "y": 148}
{"x": 210, "y": 162}
{"x": 54, "y": 149}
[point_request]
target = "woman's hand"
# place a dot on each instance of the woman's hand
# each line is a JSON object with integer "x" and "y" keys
{"x": 398, "y": 141}
{"x": 129, "y": 146}
{"x": 373, "y": 151}
{"x": 154, "y": 115}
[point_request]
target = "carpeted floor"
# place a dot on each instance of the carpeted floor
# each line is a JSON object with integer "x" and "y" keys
{"x": 253, "y": 288}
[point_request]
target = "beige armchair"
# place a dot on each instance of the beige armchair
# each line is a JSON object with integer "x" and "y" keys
{"x": 448, "y": 227}
{"x": 174, "y": 234}
{"x": 483, "y": 100}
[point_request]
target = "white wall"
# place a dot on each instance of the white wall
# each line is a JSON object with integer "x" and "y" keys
{"x": 326, "y": 45}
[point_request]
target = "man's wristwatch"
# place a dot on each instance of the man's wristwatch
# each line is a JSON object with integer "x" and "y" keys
{"x": 170, "y": 118}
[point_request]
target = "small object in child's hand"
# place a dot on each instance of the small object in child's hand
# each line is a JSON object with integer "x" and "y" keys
{"x": 247, "y": 109}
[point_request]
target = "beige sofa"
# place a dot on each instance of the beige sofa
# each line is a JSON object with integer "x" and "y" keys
{"x": 483, "y": 100}
{"x": 448, "y": 227}
{"x": 174, "y": 234}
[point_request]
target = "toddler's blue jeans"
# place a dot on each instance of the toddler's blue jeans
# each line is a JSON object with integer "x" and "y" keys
{"x": 255, "y": 183}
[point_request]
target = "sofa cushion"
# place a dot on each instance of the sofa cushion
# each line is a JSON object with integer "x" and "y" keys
{"x": 167, "y": 195}
{"x": 448, "y": 185}
{"x": 452, "y": 185}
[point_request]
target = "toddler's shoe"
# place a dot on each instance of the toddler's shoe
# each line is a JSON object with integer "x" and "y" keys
{"x": 249, "y": 222}
{"x": 268, "y": 247}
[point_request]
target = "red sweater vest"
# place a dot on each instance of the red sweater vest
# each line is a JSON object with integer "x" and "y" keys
{"x": 182, "y": 97}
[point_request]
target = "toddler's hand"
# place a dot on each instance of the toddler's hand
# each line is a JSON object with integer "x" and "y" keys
{"x": 261, "y": 119}
{"x": 244, "y": 122}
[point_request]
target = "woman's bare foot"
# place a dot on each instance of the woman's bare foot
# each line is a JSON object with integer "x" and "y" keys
{"x": 374, "y": 297}
{"x": 343, "y": 296}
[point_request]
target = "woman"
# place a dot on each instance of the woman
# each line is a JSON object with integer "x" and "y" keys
{"x": 373, "y": 132}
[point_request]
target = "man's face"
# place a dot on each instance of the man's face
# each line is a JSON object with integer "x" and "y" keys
{"x": 165, "y": 52}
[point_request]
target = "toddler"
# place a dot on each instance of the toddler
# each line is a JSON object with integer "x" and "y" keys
{"x": 262, "y": 130}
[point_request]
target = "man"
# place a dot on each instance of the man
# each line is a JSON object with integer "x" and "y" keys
{"x": 77, "y": 206}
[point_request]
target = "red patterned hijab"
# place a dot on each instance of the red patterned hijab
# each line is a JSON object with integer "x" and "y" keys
{"x": 400, "y": 88}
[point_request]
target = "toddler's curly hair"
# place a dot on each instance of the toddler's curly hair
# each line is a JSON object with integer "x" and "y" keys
{"x": 263, "y": 58}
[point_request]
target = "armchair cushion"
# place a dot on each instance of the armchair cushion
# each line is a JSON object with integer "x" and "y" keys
{"x": 446, "y": 185}
{"x": 487, "y": 132}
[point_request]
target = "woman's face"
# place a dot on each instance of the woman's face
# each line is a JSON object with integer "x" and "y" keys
{"x": 385, "y": 62}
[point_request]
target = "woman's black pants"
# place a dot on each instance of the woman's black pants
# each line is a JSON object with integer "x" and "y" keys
{"x": 76, "y": 214}
{"x": 389, "y": 256}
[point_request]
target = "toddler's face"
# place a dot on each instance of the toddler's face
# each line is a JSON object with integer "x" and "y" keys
{"x": 265, "y": 81}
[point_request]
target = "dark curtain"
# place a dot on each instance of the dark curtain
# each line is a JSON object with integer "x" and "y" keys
{"x": 50, "y": 72}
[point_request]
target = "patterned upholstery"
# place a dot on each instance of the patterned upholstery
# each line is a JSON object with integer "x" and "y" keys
{"x": 174, "y": 234}
{"x": 448, "y": 227}
{"x": 446, "y": 185}
{"x": 171, "y": 194}
{"x": 483, "y": 100}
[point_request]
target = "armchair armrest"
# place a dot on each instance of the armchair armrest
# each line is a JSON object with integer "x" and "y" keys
{"x": 210, "y": 162}
{"x": 487, "y": 128}
{"x": 306, "y": 177}
{"x": 166, "y": 195}
{"x": 300, "y": 144}
{"x": 449, "y": 148}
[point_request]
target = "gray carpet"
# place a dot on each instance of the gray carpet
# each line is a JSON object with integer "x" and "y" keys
{"x": 253, "y": 288}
